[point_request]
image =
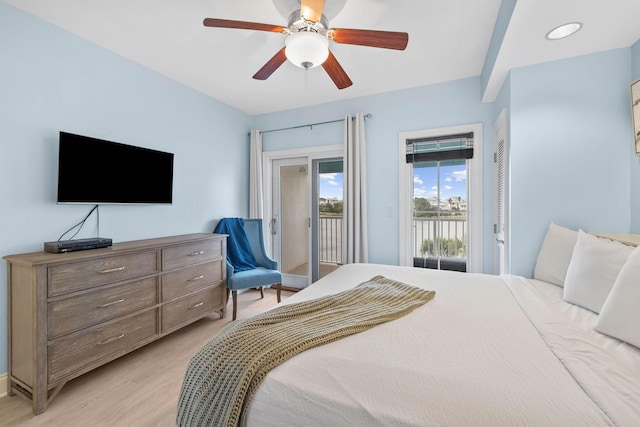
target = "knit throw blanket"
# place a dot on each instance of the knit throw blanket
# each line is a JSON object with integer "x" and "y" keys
{"x": 224, "y": 375}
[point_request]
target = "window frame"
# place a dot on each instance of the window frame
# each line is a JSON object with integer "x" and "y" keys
{"x": 474, "y": 192}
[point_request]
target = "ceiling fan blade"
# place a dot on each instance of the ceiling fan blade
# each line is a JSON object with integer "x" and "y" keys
{"x": 267, "y": 69}
{"x": 372, "y": 38}
{"x": 242, "y": 25}
{"x": 336, "y": 72}
{"x": 311, "y": 10}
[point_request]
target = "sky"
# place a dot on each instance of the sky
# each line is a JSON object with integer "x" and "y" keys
{"x": 331, "y": 185}
{"x": 453, "y": 182}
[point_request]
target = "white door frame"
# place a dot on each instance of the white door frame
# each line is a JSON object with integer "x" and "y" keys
{"x": 474, "y": 191}
{"x": 268, "y": 157}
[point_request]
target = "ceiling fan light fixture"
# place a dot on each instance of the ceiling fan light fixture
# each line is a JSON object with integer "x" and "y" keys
{"x": 307, "y": 49}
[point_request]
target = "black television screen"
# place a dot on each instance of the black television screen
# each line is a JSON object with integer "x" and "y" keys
{"x": 95, "y": 171}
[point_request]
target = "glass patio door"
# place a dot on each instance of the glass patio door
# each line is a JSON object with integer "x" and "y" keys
{"x": 440, "y": 214}
{"x": 440, "y": 200}
{"x": 303, "y": 187}
{"x": 327, "y": 196}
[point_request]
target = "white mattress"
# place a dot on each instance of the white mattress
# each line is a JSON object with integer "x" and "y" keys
{"x": 471, "y": 356}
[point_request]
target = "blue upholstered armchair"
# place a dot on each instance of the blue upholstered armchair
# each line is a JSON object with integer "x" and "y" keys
{"x": 266, "y": 271}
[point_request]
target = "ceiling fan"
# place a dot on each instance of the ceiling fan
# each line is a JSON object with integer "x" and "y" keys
{"x": 308, "y": 37}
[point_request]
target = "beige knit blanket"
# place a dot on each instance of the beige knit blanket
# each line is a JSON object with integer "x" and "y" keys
{"x": 224, "y": 375}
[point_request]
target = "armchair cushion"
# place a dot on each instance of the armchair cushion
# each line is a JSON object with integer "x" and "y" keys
{"x": 255, "y": 278}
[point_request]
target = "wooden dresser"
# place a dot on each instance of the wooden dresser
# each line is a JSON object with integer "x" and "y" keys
{"x": 70, "y": 313}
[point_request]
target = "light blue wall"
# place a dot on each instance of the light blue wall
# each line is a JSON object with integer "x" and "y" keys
{"x": 569, "y": 149}
{"x": 635, "y": 160}
{"x": 635, "y": 61}
{"x": 51, "y": 80}
{"x": 447, "y": 104}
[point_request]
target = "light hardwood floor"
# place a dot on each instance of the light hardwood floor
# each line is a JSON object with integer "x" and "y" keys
{"x": 138, "y": 390}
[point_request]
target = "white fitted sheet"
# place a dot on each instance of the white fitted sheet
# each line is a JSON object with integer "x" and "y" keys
{"x": 471, "y": 356}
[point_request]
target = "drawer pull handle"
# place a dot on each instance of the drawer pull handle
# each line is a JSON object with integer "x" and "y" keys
{"x": 112, "y": 270}
{"x": 107, "y": 304}
{"x": 194, "y": 279}
{"x": 112, "y": 339}
{"x": 196, "y": 306}
{"x": 196, "y": 253}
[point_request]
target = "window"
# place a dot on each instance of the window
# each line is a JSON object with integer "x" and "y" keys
{"x": 441, "y": 199}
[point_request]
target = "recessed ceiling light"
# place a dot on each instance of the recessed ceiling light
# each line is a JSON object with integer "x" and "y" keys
{"x": 563, "y": 31}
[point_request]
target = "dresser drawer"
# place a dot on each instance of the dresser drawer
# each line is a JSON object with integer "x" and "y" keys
{"x": 98, "y": 271}
{"x": 100, "y": 342}
{"x": 193, "y": 253}
{"x": 81, "y": 311}
{"x": 190, "y": 279}
{"x": 184, "y": 310}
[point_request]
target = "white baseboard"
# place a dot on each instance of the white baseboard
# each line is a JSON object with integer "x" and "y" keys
{"x": 3, "y": 385}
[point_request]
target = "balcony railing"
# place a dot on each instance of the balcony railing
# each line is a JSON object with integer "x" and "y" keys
{"x": 450, "y": 234}
{"x": 443, "y": 237}
{"x": 330, "y": 239}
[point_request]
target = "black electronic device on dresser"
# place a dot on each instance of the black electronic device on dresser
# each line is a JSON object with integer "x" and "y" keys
{"x": 61, "y": 246}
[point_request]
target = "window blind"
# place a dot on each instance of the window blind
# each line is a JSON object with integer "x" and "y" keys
{"x": 446, "y": 147}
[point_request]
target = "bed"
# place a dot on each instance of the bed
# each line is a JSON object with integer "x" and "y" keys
{"x": 486, "y": 351}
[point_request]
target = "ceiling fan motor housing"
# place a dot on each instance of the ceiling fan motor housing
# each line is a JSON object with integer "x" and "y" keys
{"x": 297, "y": 23}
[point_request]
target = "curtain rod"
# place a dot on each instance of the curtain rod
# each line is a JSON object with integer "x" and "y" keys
{"x": 311, "y": 125}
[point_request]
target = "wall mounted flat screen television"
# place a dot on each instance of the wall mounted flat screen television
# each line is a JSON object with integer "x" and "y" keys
{"x": 95, "y": 171}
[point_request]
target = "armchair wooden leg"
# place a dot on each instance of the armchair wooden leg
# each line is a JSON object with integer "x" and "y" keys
{"x": 234, "y": 295}
{"x": 261, "y": 291}
{"x": 279, "y": 288}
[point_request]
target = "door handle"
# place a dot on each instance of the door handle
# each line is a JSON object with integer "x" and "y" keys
{"x": 273, "y": 226}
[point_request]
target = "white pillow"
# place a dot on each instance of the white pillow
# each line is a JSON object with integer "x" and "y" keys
{"x": 555, "y": 254}
{"x": 594, "y": 267}
{"x": 620, "y": 314}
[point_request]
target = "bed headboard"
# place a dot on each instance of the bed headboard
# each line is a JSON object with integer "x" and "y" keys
{"x": 627, "y": 239}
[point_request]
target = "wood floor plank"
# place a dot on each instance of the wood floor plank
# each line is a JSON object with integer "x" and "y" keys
{"x": 137, "y": 390}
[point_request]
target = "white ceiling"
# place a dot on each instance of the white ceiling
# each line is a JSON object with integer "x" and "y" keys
{"x": 448, "y": 40}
